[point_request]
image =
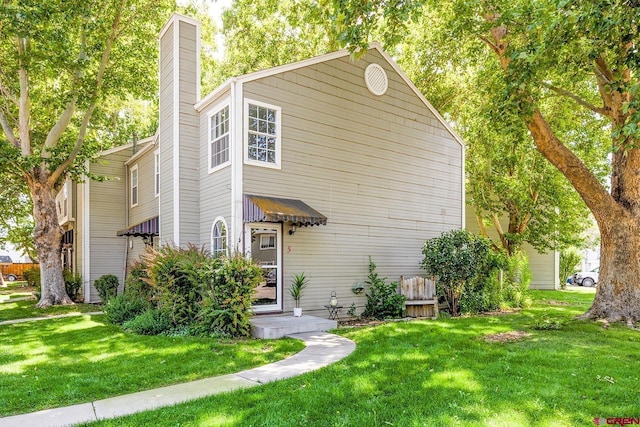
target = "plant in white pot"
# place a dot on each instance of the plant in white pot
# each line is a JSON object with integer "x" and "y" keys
{"x": 298, "y": 283}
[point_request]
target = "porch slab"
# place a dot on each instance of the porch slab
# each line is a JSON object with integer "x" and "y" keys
{"x": 274, "y": 327}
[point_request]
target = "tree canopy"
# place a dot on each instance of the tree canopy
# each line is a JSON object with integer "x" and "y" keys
{"x": 67, "y": 70}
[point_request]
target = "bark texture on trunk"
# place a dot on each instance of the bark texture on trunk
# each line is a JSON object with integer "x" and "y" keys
{"x": 48, "y": 238}
{"x": 618, "y": 293}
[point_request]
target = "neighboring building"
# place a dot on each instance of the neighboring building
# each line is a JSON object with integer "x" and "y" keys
{"x": 545, "y": 267}
{"x": 309, "y": 167}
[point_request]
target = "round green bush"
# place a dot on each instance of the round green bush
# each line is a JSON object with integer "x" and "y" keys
{"x": 107, "y": 286}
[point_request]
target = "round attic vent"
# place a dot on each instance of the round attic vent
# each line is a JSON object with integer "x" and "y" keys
{"x": 376, "y": 79}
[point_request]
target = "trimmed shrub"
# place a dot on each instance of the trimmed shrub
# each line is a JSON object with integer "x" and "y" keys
{"x": 227, "y": 296}
{"x": 123, "y": 308}
{"x": 72, "y": 284}
{"x": 176, "y": 275}
{"x": 463, "y": 264}
{"x": 137, "y": 282}
{"x": 383, "y": 299}
{"x": 150, "y": 322}
{"x": 107, "y": 286}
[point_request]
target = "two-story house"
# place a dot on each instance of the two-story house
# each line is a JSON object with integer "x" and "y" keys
{"x": 308, "y": 167}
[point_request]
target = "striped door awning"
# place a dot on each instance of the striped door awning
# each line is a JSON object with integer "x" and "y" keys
{"x": 276, "y": 209}
{"x": 148, "y": 227}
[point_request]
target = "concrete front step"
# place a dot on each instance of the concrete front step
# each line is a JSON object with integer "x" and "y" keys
{"x": 274, "y": 327}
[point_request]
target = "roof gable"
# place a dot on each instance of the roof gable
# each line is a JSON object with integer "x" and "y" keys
{"x": 324, "y": 58}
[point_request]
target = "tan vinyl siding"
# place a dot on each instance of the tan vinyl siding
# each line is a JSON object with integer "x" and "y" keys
{"x": 147, "y": 201}
{"x": 189, "y": 136}
{"x": 215, "y": 188}
{"x": 165, "y": 131}
{"x": 108, "y": 202}
{"x": 179, "y": 106}
{"x": 383, "y": 169}
{"x": 544, "y": 266}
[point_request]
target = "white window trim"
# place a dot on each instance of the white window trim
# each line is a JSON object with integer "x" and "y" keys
{"x": 213, "y": 226}
{"x": 215, "y": 110}
{"x": 156, "y": 173}
{"x": 63, "y": 203}
{"x": 248, "y": 161}
{"x": 134, "y": 168}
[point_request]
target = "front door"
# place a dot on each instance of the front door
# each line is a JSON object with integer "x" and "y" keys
{"x": 263, "y": 243}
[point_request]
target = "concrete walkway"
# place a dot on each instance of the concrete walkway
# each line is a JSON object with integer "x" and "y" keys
{"x": 321, "y": 349}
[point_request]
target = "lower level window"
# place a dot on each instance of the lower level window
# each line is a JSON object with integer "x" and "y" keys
{"x": 219, "y": 238}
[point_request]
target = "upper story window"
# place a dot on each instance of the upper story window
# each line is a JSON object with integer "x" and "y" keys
{"x": 219, "y": 237}
{"x": 134, "y": 185}
{"x": 262, "y": 144}
{"x": 156, "y": 156}
{"x": 63, "y": 203}
{"x": 219, "y": 138}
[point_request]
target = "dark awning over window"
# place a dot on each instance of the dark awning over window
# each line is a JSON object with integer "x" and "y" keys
{"x": 144, "y": 229}
{"x": 275, "y": 209}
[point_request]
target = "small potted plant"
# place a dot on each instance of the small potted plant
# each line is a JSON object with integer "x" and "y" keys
{"x": 298, "y": 283}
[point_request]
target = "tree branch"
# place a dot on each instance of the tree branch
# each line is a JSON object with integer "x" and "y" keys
{"x": 498, "y": 226}
{"x": 576, "y": 98}
{"x": 594, "y": 194}
{"x": 104, "y": 61}
{"x": 24, "y": 103}
{"x": 8, "y": 131}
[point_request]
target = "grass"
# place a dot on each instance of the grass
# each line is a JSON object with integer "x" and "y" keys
{"x": 13, "y": 290}
{"x": 71, "y": 360}
{"x": 23, "y": 309}
{"x": 445, "y": 372}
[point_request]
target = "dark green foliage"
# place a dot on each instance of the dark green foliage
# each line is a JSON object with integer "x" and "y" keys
{"x": 383, "y": 299}
{"x": 517, "y": 279}
{"x": 73, "y": 284}
{"x": 481, "y": 295}
{"x": 176, "y": 275}
{"x": 150, "y": 322}
{"x": 125, "y": 307}
{"x": 227, "y": 296}
{"x": 464, "y": 265}
{"x": 107, "y": 286}
{"x": 196, "y": 293}
{"x": 137, "y": 281}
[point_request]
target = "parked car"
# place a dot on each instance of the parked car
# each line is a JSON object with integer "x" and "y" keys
{"x": 586, "y": 278}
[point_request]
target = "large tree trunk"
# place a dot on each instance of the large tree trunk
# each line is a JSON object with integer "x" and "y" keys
{"x": 48, "y": 238}
{"x": 617, "y": 211}
{"x": 618, "y": 294}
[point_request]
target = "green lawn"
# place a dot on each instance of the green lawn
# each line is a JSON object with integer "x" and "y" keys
{"x": 60, "y": 362}
{"x": 24, "y": 309}
{"x": 445, "y": 372}
{"x": 14, "y": 290}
